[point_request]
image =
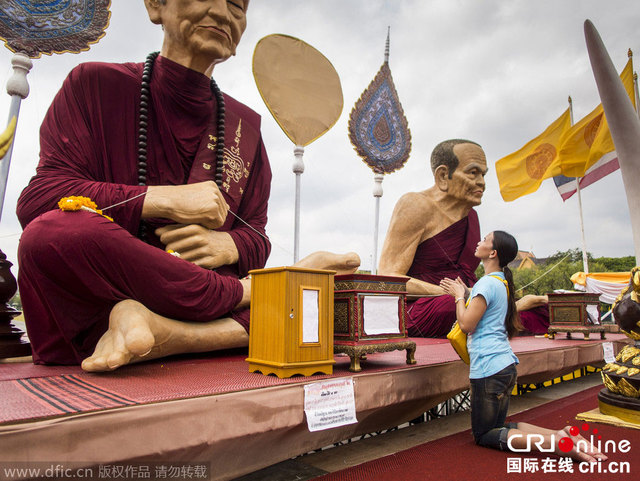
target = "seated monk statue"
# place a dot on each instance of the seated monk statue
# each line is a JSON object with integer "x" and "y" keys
{"x": 433, "y": 235}
{"x": 183, "y": 170}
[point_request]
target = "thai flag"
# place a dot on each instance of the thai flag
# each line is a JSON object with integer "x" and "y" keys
{"x": 607, "y": 164}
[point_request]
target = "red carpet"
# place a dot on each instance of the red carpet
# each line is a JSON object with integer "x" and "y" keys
{"x": 456, "y": 457}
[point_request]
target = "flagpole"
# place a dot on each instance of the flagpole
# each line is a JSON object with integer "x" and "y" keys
{"x": 585, "y": 262}
{"x": 635, "y": 88}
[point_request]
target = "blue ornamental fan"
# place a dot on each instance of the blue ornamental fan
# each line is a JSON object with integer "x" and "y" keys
{"x": 35, "y": 27}
{"x": 378, "y": 128}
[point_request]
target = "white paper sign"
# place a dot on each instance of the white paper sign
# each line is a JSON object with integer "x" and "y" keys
{"x": 329, "y": 404}
{"x": 310, "y": 316}
{"x": 607, "y": 349}
{"x": 380, "y": 315}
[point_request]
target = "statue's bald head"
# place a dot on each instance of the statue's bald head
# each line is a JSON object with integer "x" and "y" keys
{"x": 443, "y": 154}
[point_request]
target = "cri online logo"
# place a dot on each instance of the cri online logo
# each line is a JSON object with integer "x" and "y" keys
{"x": 567, "y": 444}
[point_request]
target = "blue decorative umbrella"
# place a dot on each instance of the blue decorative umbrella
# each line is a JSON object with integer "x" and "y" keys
{"x": 380, "y": 133}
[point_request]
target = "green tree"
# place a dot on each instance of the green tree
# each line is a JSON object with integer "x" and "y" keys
{"x": 616, "y": 264}
{"x": 556, "y": 272}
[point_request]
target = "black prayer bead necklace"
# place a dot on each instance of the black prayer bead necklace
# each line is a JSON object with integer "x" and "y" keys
{"x": 144, "y": 119}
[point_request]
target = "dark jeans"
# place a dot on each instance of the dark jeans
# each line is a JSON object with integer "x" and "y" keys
{"x": 489, "y": 405}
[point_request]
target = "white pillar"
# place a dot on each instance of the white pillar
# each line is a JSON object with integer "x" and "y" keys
{"x": 377, "y": 193}
{"x": 298, "y": 169}
{"x": 18, "y": 88}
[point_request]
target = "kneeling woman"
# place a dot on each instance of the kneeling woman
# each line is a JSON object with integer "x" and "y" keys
{"x": 491, "y": 319}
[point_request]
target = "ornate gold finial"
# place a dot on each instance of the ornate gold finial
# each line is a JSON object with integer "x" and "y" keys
{"x": 629, "y": 53}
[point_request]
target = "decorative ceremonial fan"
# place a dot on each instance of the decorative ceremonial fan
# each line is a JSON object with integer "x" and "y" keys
{"x": 303, "y": 93}
{"x": 380, "y": 133}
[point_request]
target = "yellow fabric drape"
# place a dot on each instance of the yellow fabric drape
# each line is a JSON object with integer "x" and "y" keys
{"x": 613, "y": 277}
{"x": 589, "y": 139}
{"x": 522, "y": 172}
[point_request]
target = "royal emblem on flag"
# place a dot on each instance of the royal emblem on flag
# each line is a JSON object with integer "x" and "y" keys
{"x": 34, "y": 27}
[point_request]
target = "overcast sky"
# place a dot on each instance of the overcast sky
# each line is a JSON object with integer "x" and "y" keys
{"x": 497, "y": 72}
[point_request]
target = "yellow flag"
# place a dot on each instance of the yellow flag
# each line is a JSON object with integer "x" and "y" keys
{"x": 588, "y": 140}
{"x": 522, "y": 172}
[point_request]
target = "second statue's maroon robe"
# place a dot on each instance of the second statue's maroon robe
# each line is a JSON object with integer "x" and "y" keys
{"x": 450, "y": 253}
{"x": 75, "y": 266}
{"x": 447, "y": 254}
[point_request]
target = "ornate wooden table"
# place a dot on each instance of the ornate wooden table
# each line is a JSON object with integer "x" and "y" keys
{"x": 568, "y": 313}
{"x": 369, "y": 315}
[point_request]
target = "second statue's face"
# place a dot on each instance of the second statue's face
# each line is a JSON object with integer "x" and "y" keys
{"x": 202, "y": 32}
{"x": 467, "y": 182}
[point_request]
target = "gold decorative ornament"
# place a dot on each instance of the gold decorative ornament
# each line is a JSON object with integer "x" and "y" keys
{"x": 622, "y": 370}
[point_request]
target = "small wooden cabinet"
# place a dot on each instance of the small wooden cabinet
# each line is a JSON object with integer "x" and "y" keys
{"x": 291, "y": 330}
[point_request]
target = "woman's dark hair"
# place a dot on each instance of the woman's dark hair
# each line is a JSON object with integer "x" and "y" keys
{"x": 506, "y": 247}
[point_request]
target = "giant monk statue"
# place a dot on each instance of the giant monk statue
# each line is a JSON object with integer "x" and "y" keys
{"x": 180, "y": 162}
{"x": 433, "y": 235}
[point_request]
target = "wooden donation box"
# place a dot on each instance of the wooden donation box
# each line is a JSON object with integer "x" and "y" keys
{"x": 291, "y": 329}
{"x": 568, "y": 313}
{"x": 370, "y": 316}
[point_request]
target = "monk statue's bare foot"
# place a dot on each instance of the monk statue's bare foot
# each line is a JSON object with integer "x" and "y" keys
{"x": 137, "y": 334}
{"x": 582, "y": 449}
{"x": 530, "y": 301}
{"x": 341, "y": 263}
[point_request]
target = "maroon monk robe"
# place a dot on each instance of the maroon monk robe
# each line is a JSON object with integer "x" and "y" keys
{"x": 449, "y": 253}
{"x": 75, "y": 266}
{"x": 535, "y": 321}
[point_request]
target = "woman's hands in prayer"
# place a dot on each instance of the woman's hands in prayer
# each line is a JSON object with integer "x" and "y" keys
{"x": 200, "y": 203}
{"x": 455, "y": 288}
{"x": 206, "y": 248}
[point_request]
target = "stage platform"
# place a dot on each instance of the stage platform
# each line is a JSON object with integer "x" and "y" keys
{"x": 209, "y": 409}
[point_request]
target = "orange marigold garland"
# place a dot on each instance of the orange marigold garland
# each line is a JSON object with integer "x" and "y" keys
{"x": 76, "y": 202}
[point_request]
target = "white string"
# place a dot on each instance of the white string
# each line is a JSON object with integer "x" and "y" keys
{"x": 260, "y": 233}
{"x": 230, "y": 212}
{"x": 125, "y": 201}
{"x": 540, "y": 277}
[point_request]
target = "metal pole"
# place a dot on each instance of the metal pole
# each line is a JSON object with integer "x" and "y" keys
{"x": 377, "y": 193}
{"x": 18, "y": 88}
{"x": 298, "y": 169}
{"x": 585, "y": 262}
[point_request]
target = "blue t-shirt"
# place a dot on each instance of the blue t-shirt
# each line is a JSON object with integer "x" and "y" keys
{"x": 489, "y": 348}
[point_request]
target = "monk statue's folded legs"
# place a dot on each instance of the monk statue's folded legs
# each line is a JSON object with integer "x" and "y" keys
{"x": 137, "y": 334}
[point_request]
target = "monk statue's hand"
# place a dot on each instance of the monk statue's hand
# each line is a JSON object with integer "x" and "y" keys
{"x": 200, "y": 203}
{"x": 206, "y": 248}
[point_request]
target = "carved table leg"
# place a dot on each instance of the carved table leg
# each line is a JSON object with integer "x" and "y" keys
{"x": 355, "y": 363}
{"x": 411, "y": 351}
